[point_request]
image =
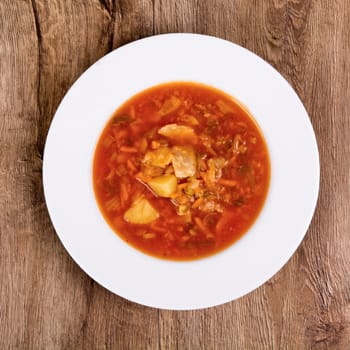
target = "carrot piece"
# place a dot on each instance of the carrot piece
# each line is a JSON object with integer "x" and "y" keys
{"x": 149, "y": 235}
{"x": 112, "y": 204}
{"x": 197, "y": 203}
{"x": 110, "y": 175}
{"x": 128, "y": 149}
{"x": 123, "y": 193}
{"x": 201, "y": 225}
{"x": 131, "y": 165}
{"x": 132, "y": 112}
{"x": 227, "y": 182}
{"x": 159, "y": 229}
{"x": 225, "y": 219}
{"x": 182, "y": 186}
{"x": 155, "y": 144}
{"x": 119, "y": 134}
{"x": 143, "y": 145}
{"x": 232, "y": 160}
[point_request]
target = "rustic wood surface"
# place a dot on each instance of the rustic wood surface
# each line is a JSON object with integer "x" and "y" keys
{"x": 46, "y": 301}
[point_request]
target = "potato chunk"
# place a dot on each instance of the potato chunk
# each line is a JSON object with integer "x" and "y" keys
{"x": 141, "y": 212}
{"x": 160, "y": 157}
{"x": 175, "y": 132}
{"x": 184, "y": 161}
{"x": 163, "y": 186}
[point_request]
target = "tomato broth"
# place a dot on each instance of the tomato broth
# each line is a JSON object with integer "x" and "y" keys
{"x": 181, "y": 171}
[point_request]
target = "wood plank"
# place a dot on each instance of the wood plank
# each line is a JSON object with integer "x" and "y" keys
{"x": 287, "y": 311}
{"x": 324, "y": 262}
{"x": 18, "y": 163}
{"x": 133, "y": 20}
{"x": 53, "y": 303}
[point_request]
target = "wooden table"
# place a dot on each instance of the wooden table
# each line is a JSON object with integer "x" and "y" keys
{"x": 47, "y": 302}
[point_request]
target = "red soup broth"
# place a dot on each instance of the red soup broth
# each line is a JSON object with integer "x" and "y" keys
{"x": 181, "y": 171}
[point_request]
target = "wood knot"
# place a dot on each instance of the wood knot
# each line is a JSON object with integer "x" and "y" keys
{"x": 325, "y": 334}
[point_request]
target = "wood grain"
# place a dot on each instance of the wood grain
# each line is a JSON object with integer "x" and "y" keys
{"x": 47, "y": 302}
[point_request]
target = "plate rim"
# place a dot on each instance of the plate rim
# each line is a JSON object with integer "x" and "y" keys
{"x": 131, "y": 44}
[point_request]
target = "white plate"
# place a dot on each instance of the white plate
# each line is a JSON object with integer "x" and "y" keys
{"x": 67, "y": 172}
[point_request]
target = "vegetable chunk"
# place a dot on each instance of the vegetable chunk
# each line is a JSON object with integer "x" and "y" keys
{"x": 184, "y": 161}
{"x": 175, "y": 131}
{"x": 160, "y": 157}
{"x": 163, "y": 186}
{"x": 141, "y": 212}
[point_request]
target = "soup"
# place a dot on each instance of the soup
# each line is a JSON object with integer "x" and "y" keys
{"x": 181, "y": 171}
